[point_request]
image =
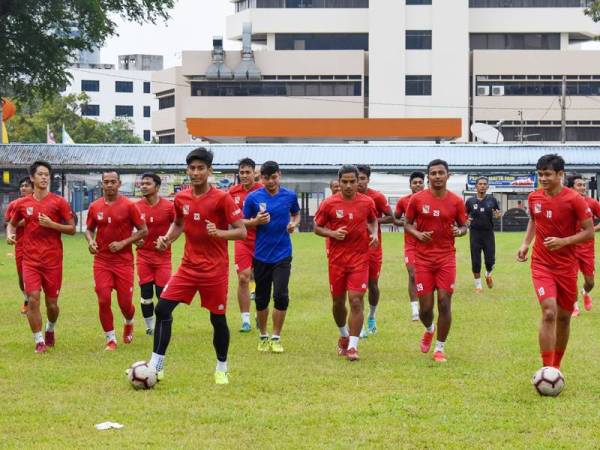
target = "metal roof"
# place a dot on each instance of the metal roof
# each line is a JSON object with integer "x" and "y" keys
{"x": 299, "y": 157}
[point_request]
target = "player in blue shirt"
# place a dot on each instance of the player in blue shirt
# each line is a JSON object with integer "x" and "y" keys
{"x": 274, "y": 212}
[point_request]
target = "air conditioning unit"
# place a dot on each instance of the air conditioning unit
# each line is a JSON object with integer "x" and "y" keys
{"x": 483, "y": 91}
{"x": 497, "y": 90}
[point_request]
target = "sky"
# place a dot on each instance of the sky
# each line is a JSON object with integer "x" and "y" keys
{"x": 192, "y": 25}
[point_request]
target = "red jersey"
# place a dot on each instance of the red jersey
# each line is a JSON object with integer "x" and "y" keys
{"x": 430, "y": 213}
{"x": 158, "y": 218}
{"x": 238, "y": 193}
{"x": 558, "y": 216}
{"x": 381, "y": 207}
{"x": 41, "y": 245}
{"x": 401, "y": 208}
{"x": 113, "y": 222}
{"x": 595, "y": 209}
{"x": 204, "y": 256}
{"x": 335, "y": 212}
{"x": 10, "y": 210}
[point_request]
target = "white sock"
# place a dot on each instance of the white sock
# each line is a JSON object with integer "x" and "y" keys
{"x": 414, "y": 305}
{"x": 50, "y": 326}
{"x": 275, "y": 337}
{"x": 344, "y": 331}
{"x": 221, "y": 366}
{"x": 584, "y": 292}
{"x": 246, "y": 317}
{"x": 157, "y": 361}
{"x": 439, "y": 346}
{"x": 488, "y": 274}
{"x": 37, "y": 337}
{"x": 353, "y": 342}
{"x": 129, "y": 322}
{"x": 372, "y": 310}
{"x": 149, "y": 322}
{"x": 110, "y": 336}
{"x": 477, "y": 282}
{"x": 264, "y": 337}
{"x": 430, "y": 328}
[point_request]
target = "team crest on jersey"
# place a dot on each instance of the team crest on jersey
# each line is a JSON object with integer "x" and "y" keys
{"x": 351, "y": 216}
{"x": 143, "y": 216}
{"x": 151, "y": 219}
{"x": 537, "y": 208}
{"x": 30, "y": 210}
{"x": 196, "y": 216}
{"x": 339, "y": 213}
{"x": 425, "y": 209}
{"x": 186, "y": 209}
{"x": 100, "y": 216}
{"x": 475, "y": 206}
{"x": 237, "y": 200}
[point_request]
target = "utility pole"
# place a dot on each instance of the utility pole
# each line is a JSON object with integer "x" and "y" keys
{"x": 1, "y": 121}
{"x": 520, "y": 113}
{"x": 563, "y": 111}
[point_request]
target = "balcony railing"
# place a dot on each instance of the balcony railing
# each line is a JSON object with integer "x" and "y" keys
{"x": 245, "y": 4}
{"x": 530, "y": 3}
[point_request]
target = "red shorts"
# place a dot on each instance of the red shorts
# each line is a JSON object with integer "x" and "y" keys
{"x": 409, "y": 256}
{"x": 550, "y": 283}
{"x": 375, "y": 261}
{"x": 117, "y": 276}
{"x": 244, "y": 253}
{"x": 41, "y": 277}
{"x": 19, "y": 261}
{"x": 213, "y": 293}
{"x": 342, "y": 280}
{"x": 153, "y": 272}
{"x": 586, "y": 264}
{"x": 431, "y": 276}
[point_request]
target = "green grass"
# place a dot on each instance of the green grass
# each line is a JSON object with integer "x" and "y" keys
{"x": 306, "y": 397}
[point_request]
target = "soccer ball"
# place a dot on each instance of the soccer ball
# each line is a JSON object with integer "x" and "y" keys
{"x": 548, "y": 381}
{"x": 141, "y": 376}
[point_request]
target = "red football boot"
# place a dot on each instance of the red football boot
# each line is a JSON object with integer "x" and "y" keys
{"x": 40, "y": 347}
{"x": 352, "y": 354}
{"x": 49, "y": 338}
{"x": 128, "y": 333}
{"x": 342, "y": 345}
{"x": 426, "y": 341}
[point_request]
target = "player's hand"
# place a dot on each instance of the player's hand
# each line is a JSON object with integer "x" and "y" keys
{"x": 497, "y": 213}
{"x": 139, "y": 244}
{"x": 374, "y": 242}
{"x": 339, "y": 234}
{"x": 11, "y": 239}
{"x": 212, "y": 229}
{"x": 44, "y": 220}
{"x": 263, "y": 218}
{"x": 554, "y": 243}
{"x": 93, "y": 247}
{"x": 162, "y": 243}
{"x": 522, "y": 253}
{"x": 457, "y": 232}
{"x": 425, "y": 236}
{"x": 116, "y": 246}
{"x": 291, "y": 227}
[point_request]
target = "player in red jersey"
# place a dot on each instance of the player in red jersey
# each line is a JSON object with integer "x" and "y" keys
{"x": 46, "y": 216}
{"x": 25, "y": 189}
{"x": 153, "y": 266}
{"x": 559, "y": 219}
{"x": 334, "y": 186}
{"x": 435, "y": 217}
{"x": 349, "y": 220}
{"x": 585, "y": 251}
{"x": 204, "y": 215}
{"x": 244, "y": 249}
{"x": 110, "y": 222}
{"x": 417, "y": 184}
{"x": 384, "y": 215}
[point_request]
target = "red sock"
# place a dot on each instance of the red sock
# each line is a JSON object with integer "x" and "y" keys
{"x": 548, "y": 358}
{"x": 558, "y": 356}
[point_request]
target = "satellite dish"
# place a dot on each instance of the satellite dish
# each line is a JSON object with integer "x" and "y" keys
{"x": 487, "y": 133}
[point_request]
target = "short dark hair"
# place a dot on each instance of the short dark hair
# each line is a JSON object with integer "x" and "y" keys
{"x": 200, "y": 154}
{"x": 416, "y": 174}
{"x": 26, "y": 180}
{"x": 482, "y": 178}
{"x": 246, "y": 162}
{"x": 571, "y": 179}
{"x": 36, "y": 164}
{"x": 552, "y": 161}
{"x": 335, "y": 180}
{"x": 348, "y": 168}
{"x": 154, "y": 177}
{"x": 363, "y": 168}
{"x": 268, "y": 168}
{"x": 111, "y": 171}
{"x": 437, "y": 162}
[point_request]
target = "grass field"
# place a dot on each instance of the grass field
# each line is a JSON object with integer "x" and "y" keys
{"x": 306, "y": 397}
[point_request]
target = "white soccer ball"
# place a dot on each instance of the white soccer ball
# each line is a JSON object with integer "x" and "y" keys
{"x": 141, "y": 376}
{"x": 548, "y": 381}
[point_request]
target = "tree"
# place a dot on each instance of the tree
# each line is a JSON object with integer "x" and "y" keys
{"x": 40, "y": 38}
{"x": 594, "y": 11}
{"x": 30, "y": 123}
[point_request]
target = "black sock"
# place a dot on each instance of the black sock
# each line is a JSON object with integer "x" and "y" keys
{"x": 162, "y": 329}
{"x": 220, "y": 335}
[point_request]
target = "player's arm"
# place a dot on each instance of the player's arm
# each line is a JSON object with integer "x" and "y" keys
{"x": 90, "y": 233}
{"x": 175, "y": 230}
{"x": 294, "y": 222}
{"x": 11, "y": 233}
{"x": 527, "y": 239}
{"x": 423, "y": 236}
{"x": 372, "y": 226}
{"x": 338, "y": 235}
{"x": 586, "y": 234}
{"x": 460, "y": 228}
{"x": 387, "y": 217}
{"x": 254, "y": 218}
{"x": 66, "y": 228}
{"x": 141, "y": 231}
{"x": 237, "y": 231}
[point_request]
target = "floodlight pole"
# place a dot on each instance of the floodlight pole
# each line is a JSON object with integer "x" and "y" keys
{"x": 563, "y": 111}
{"x": 1, "y": 120}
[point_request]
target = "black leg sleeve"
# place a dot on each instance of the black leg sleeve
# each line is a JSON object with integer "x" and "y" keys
{"x": 162, "y": 329}
{"x": 220, "y": 335}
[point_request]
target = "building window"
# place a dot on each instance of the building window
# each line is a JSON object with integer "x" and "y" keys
{"x": 146, "y": 111}
{"x": 124, "y": 110}
{"x": 537, "y": 88}
{"x": 418, "y": 85}
{"x": 146, "y": 87}
{"x": 514, "y": 41}
{"x": 277, "y": 89}
{"x": 166, "y": 102}
{"x": 166, "y": 139}
{"x": 530, "y": 3}
{"x": 322, "y": 41}
{"x": 90, "y": 110}
{"x": 418, "y": 2}
{"x": 123, "y": 86}
{"x": 245, "y": 4}
{"x": 90, "y": 85}
{"x": 418, "y": 39}
{"x": 147, "y": 135}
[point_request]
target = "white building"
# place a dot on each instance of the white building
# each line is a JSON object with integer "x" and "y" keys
{"x": 118, "y": 93}
{"x": 477, "y": 60}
